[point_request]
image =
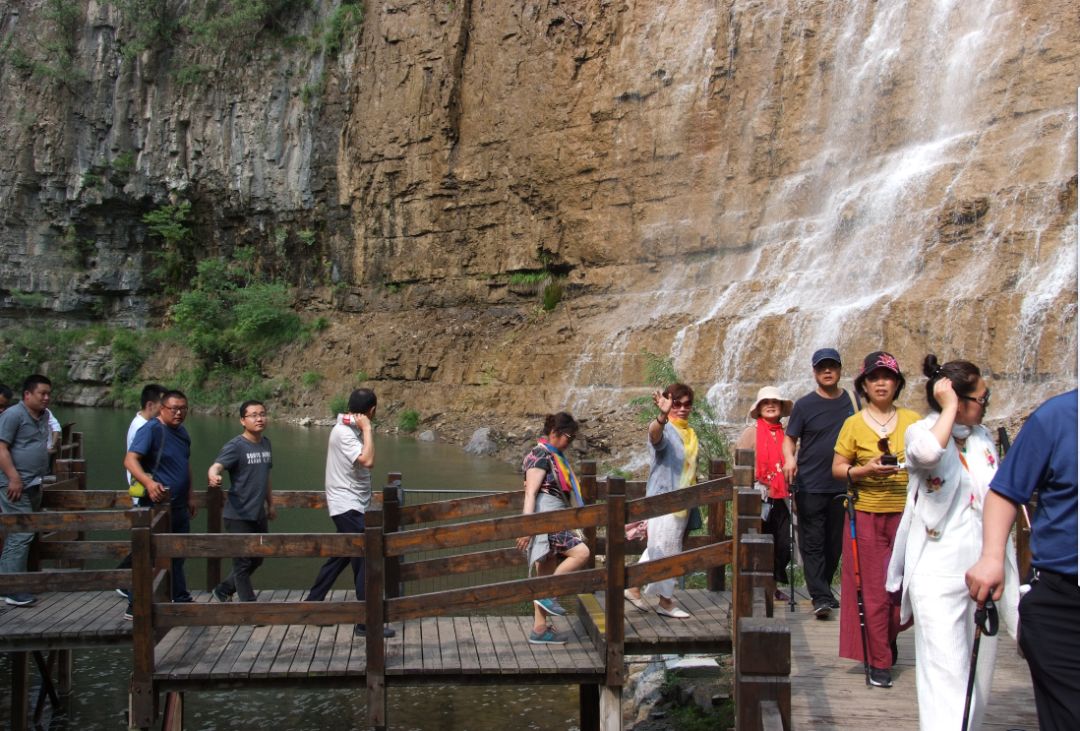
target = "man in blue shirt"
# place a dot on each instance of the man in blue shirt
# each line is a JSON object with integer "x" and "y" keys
{"x": 160, "y": 459}
{"x": 1044, "y": 459}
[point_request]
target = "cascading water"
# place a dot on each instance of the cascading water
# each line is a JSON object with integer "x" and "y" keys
{"x": 923, "y": 201}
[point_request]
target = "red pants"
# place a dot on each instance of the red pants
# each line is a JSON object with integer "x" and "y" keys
{"x": 875, "y": 533}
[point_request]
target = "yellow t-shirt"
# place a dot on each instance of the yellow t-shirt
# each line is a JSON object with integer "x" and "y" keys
{"x": 859, "y": 444}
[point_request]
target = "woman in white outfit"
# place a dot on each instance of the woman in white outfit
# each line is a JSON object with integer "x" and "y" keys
{"x": 951, "y": 458}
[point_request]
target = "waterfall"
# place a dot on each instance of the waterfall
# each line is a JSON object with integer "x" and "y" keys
{"x": 919, "y": 211}
{"x": 915, "y": 204}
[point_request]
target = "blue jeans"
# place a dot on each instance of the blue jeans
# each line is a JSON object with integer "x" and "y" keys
{"x": 17, "y": 545}
{"x": 349, "y": 522}
{"x": 239, "y": 581}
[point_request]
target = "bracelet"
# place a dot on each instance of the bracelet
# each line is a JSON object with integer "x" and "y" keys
{"x": 661, "y": 423}
{"x": 849, "y": 469}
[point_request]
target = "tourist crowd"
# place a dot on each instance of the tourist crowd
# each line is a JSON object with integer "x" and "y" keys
{"x": 914, "y": 510}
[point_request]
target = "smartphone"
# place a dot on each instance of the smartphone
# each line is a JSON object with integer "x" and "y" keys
{"x": 889, "y": 460}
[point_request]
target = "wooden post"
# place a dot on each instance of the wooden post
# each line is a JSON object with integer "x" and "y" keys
{"x": 375, "y": 568}
{"x": 611, "y": 693}
{"x": 587, "y": 482}
{"x": 392, "y": 524}
{"x": 716, "y": 527}
{"x": 589, "y": 707}
{"x": 215, "y": 503}
{"x": 20, "y": 688}
{"x": 762, "y": 671}
{"x": 142, "y": 699}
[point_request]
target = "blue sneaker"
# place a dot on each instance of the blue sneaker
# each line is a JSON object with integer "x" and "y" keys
{"x": 550, "y": 606}
{"x": 20, "y": 600}
{"x": 548, "y": 637}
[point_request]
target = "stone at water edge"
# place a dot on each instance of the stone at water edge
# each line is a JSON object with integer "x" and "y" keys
{"x": 481, "y": 444}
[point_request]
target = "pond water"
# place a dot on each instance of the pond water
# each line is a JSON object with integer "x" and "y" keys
{"x": 434, "y": 471}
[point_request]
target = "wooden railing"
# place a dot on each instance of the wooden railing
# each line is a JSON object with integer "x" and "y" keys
{"x": 388, "y": 541}
{"x": 762, "y": 641}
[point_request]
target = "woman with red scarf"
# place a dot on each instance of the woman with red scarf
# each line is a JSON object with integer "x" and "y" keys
{"x": 766, "y": 437}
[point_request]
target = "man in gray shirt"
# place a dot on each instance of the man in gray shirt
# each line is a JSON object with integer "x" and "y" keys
{"x": 24, "y": 462}
{"x": 250, "y": 501}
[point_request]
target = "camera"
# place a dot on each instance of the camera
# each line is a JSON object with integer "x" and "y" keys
{"x": 889, "y": 460}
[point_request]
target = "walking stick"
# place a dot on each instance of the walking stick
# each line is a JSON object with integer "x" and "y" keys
{"x": 791, "y": 546}
{"x": 850, "y": 498}
{"x": 986, "y": 623}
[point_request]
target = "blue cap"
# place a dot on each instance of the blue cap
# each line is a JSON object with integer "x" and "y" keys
{"x": 825, "y": 354}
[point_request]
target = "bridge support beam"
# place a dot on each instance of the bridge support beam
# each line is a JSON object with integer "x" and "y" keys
{"x": 611, "y": 708}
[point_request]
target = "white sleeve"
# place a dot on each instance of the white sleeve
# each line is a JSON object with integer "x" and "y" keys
{"x": 921, "y": 448}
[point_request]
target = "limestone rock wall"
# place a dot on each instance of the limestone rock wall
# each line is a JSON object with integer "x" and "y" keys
{"x": 731, "y": 183}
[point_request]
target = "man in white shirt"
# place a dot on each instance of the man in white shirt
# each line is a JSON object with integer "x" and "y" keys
{"x": 350, "y": 455}
{"x": 150, "y": 401}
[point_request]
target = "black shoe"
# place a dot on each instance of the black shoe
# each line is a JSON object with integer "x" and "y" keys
{"x": 220, "y": 595}
{"x": 129, "y": 613}
{"x": 360, "y": 630}
{"x": 822, "y": 609}
{"x": 880, "y": 678}
{"x": 834, "y": 603}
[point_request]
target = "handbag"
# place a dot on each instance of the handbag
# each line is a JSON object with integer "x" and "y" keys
{"x": 135, "y": 488}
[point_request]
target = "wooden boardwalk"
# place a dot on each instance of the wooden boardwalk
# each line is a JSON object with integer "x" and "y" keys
{"x": 829, "y": 692}
{"x": 431, "y": 649}
{"x": 707, "y": 630}
{"x": 65, "y": 620}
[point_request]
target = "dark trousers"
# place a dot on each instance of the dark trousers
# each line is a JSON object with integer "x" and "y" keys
{"x": 778, "y": 525}
{"x": 821, "y": 540}
{"x": 179, "y": 522}
{"x": 239, "y": 581}
{"x": 349, "y": 522}
{"x": 1050, "y": 638}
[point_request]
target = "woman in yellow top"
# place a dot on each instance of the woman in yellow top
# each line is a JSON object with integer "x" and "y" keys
{"x": 869, "y": 453}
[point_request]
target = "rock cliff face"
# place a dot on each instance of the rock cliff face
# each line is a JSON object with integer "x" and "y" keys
{"x": 731, "y": 183}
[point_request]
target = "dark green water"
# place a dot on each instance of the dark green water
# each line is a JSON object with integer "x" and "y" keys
{"x": 100, "y": 680}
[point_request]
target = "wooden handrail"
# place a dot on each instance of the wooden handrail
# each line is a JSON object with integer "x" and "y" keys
{"x": 386, "y": 547}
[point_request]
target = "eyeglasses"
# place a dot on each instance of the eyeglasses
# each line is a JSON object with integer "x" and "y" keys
{"x": 260, "y": 415}
{"x": 176, "y": 409}
{"x": 567, "y": 437}
{"x": 983, "y": 400}
{"x": 682, "y": 404}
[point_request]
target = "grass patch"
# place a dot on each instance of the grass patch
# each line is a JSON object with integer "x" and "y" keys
{"x": 408, "y": 421}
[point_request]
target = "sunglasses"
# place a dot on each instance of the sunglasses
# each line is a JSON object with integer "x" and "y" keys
{"x": 567, "y": 437}
{"x": 983, "y": 400}
{"x": 682, "y": 404}
{"x": 883, "y": 445}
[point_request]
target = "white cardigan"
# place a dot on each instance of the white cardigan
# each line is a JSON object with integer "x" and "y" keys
{"x": 939, "y": 488}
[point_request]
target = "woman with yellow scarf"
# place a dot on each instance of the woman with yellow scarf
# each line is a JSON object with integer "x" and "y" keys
{"x": 674, "y": 447}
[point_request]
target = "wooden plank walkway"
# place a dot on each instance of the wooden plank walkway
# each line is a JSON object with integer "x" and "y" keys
{"x": 829, "y": 692}
{"x": 429, "y": 649}
{"x": 65, "y": 620}
{"x": 708, "y": 630}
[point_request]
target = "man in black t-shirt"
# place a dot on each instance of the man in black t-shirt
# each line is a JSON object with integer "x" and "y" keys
{"x": 250, "y": 504}
{"x": 814, "y": 424}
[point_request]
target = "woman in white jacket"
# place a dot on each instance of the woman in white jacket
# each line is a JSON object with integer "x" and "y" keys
{"x": 951, "y": 458}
